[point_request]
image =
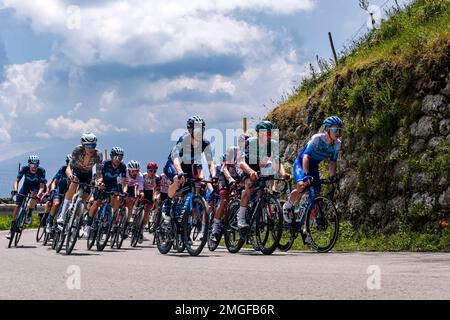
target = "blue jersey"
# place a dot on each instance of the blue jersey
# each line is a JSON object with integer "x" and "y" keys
{"x": 30, "y": 178}
{"x": 110, "y": 173}
{"x": 62, "y": 177}
{"x": 318, "y": 149}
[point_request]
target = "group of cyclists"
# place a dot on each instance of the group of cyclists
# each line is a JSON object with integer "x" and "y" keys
{"x": 241, "y": 165}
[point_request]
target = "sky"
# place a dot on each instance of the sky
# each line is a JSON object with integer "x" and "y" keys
{"x": 133, "y": 71}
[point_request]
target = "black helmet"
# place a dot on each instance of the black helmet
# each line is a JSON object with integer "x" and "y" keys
{"x": 193, "y": 120}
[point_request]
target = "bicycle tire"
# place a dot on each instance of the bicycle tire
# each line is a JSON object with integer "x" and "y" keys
{"x": 274, "y": 224}
{"x": 104, "y": 230}
{"x": 234, "y": 239}
{"x": 41, "y": 228}
{"x": 310, "y": 221}
{"x": 136, "y": 228}
{"x": 93, "y": 233}
{"x": 74, "y": 227}
{"x": 197, "y": 202}
{"x": 164, "y": 237}
{"x": 122, "y": 229}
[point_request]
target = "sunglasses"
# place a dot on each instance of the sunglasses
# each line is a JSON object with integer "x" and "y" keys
{"x": 134, "y": 172}
{"x": 117, "y": 157}
{"x": 336, "y": 130}
{"x": 151, "y": 170}
{"x": 90, "y": 146}
{"x": 32, "y": 165}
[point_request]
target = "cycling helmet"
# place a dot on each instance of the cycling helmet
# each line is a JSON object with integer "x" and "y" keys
{"x": 68, "y": 158}
{"x": 333, "y": 121}
{"x": 264, "y": 125}
{"x": 133, "y": 165}
{"x": 33, "y": 159}
{"x": 193, "y": 120}
{"x": 116, "y": 151}
{"x": 88, "y": 138}
{"x": 152, "y": 165}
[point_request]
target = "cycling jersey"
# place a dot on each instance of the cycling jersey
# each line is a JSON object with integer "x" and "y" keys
{"x": 137, "y": 181}
{"x": 31, "y": 183}
{"x": 151, "y": 183}
{"x": 111, "y": 174}
{"x": 190, "y": 161}
{"x": 318, "y": 148}
{"x": 77, "y": 161}
{"x": 164, "y": 183}
{"x": 32, "y": 179}
{"x": 256, "y": 157}
{"x": 61, "y": 186}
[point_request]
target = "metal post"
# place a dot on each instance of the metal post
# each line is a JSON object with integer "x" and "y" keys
{"x": 332, "y": 48}
{"x": 244, "y": 124}
{"x": 106, "y": 154}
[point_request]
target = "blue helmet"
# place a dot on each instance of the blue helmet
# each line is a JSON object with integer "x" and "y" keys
{"x": 333, "y": 121}
{"x": 33, "y": 159}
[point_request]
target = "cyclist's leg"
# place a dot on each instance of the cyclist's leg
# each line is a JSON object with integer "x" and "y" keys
{"x": 32, "y": 204}
{"x": 246, "y": 194}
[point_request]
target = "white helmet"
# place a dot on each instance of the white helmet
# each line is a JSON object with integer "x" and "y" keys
{"x": 88, "y": 138}
{"x": 133, "y": 165}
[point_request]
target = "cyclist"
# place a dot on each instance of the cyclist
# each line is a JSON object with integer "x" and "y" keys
{"x": 79, "y": 170}
{"x": 111, "y": 171}
{"x": 212, "y": 191}
{"x": 162, "y": 196}
{"x": 306, "y": 167}
{"x": 186, "y": 158}
{"x": 231, "y": 174}
{"x": 150, "y": 193}
{"x": 258, "y": 152}
{"x": 58, "y": 188}
{"x": 133, "y": 187}
{"x": 34, "y": 182}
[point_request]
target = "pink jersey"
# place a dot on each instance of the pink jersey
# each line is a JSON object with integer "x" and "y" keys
{"x": 137, "y": 181}
{"x": 151, "y": 183}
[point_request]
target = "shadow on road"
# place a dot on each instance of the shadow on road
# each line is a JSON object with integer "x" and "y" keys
{"x": 24, "y": 247}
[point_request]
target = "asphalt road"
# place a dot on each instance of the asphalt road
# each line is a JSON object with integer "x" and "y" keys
{"x": 32, "y": 271}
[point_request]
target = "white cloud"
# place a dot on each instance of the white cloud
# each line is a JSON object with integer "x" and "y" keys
{"x": 106, "y": 100}
{"x": 149, "y": 32}
{"x": 75, "y": 109}
{"x": 68, "y": 128}
{"x": 220, "y": 85}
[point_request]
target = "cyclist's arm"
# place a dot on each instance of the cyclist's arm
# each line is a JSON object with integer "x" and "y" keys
{"x": 305, "y": 163}
{"x": 53, "y": 184}
{"x": 332, "y": 168}
{"x": 177, "y": 165}
{"x": 42, "y": 188}
{"x": 124, "y": 185}
{"x": 16, "y": 184}
{"x": 212, "y": 169}
{"x": 226, "y": 173}
{"x": 246, "y": 168}
{"x": 69, "y": 171}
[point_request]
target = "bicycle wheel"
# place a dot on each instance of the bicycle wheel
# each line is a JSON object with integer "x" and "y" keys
{"x": 233, "y": 237}
{"x": 46, "y": 238}
{"x": 104, "y": 229}
{"x": 12, "y": 234}
{"x": 136, "y": 228}
{"x": 269, "y": 225}
{"x": 164, "y": 236}
{"x": 212, "y": 245}
{"x": 82, "y": 225}
{"x": 41, "y": 228}
{"x": 55, "y": 237}
{"x": 287, "y": 235}
{"x": 62, "y": 236}
{"x": 122, "y": 230}
{"x": 179, "y": 244}
{"x": 193, "y": 224}
{"x": 322, "y": 224}
{"x": 93, "y": 233}
{"x": 21, "y": 227}
{"x": 74, "y": 227}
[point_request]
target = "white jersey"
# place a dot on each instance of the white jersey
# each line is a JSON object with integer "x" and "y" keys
{"x": 164, "y": 183}
{"x": 137, "y": 181}
{"x": 151, "y": 183}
